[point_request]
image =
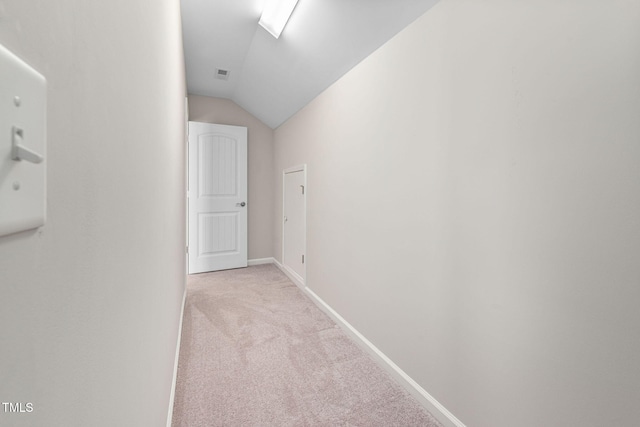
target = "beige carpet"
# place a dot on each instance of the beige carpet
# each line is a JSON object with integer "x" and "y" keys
{"x": 257, "y": 352}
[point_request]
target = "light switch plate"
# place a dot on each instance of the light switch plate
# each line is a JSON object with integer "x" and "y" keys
{"x": 23, "y": 108}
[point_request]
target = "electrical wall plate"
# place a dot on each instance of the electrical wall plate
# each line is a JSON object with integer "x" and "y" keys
{"x": 23, "y": 121}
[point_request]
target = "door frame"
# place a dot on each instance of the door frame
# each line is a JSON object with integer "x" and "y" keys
{"x": 292, "y": 274}
{"x": 186, "y": 185}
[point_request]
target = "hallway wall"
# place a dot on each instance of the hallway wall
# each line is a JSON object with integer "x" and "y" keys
{"x": 90, "y": 303}
{"x": 473, "y": 203}
{"x": 260, "y": 166}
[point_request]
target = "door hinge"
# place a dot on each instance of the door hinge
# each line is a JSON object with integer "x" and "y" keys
{"x": 187, "y": 249}
{"x": 302, "y": 186}
{"x": 303, "y": 259}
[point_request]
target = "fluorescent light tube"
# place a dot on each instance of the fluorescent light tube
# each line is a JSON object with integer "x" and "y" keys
{"x": 276, "y": 14}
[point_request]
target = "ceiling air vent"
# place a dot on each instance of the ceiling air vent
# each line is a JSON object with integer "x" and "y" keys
{"x": 222, "y": 74}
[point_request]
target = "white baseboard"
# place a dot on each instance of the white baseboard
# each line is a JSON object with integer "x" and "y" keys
{"x": 172, "y": 396}
{"x": 261, "y": 261}
{"x": 429, "y": 402}
{"x": 436, "y": 409}
{"x": 292, "y": 275}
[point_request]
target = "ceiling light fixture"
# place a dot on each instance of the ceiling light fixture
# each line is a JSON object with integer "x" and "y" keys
{"x": 276, "y": 14}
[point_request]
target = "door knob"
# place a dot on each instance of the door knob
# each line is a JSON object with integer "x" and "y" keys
{"x": 243, "y": 204}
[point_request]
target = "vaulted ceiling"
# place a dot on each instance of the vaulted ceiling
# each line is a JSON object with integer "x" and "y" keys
{"x": 274, "y": 78}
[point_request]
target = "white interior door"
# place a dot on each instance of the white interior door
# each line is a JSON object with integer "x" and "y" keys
{"x": 294, "y": 222}
{"x": 217, "y": 197}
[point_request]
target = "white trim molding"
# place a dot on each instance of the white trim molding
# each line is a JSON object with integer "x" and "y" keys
{"x": 429, "y": 402}
{"x": 292, "y": 275}
{"x": 441, "y": 413}
{"x": 261, "y": 261}
{"x": 172, "y": 396}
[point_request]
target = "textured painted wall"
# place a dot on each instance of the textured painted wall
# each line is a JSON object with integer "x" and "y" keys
{"x": 260, "y": 161}
{"x": 474, "y": 195}
{"x": 90, "y": 303}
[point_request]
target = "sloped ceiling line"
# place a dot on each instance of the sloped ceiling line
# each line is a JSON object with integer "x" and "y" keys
{"x": 274, "y": 78}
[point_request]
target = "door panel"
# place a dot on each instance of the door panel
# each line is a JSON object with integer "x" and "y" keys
{"x": 217, "y": 197}
{"x": 294, "y": 225}
{"x": 217, "y": 166}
